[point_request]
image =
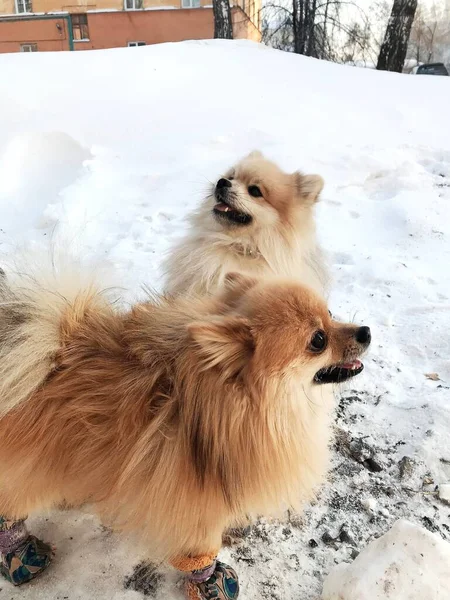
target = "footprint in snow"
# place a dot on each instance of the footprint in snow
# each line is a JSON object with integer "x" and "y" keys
{"x": 342, "y": 258}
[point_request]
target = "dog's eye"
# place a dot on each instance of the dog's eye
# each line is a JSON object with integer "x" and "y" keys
{"x": 254, "y": 191}
{"x": 318, "y": 342}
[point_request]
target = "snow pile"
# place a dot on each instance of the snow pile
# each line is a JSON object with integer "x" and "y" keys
{"x": 34, "y": 168}
{"x": 407, "y": 563}
{"x": 106, "y": 152}
{"x": 444, "y": 492}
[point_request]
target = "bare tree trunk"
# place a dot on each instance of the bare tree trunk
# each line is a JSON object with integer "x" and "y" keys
{"x": 311, "y": 47}
{"x": 306, "y": 26}
{"x": 223, "y": 24}
{"x": 297, "y": 25}
{"x": 393, "y": 50}
{"x": 431, "y": 47}
{"x": 325, "y": 22}
{"x": 303, "y": 19}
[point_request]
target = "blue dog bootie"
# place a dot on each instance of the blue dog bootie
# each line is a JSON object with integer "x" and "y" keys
{"x": 22, "y": 556}
{"x": 216, "y": 582}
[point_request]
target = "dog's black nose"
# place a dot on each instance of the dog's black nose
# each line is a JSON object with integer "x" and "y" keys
{"x": 223, "y": 183}
{"x": 363, "y": 335}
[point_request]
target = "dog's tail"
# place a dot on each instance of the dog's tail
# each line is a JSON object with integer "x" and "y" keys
{"x": 38, "y": 312}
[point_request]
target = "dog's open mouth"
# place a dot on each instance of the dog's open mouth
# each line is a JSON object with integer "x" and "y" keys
{"x": 339, "y": 373}
{"x": 222, "y": 210}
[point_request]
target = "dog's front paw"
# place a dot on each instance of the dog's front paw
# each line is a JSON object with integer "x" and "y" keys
{"x": 223, "y": 584}
{"x": 27, "y": 561}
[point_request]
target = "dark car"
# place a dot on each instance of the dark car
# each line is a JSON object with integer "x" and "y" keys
{"x": 432, "y": 69}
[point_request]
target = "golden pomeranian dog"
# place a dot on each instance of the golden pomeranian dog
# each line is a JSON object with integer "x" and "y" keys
{"x": 257, "y": 220}
{"x": 175, "y": 419}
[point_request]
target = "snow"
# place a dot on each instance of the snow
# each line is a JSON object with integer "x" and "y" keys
{"x": 444, "y": 492}
{"x": 370, "y": 504}
{"x": 407, "y": 563}
{"x": 104, "y": 153}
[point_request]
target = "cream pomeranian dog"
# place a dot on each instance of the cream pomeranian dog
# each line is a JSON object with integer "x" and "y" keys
{"x": 175, "y": 419}
{"x": 257, "y": 220}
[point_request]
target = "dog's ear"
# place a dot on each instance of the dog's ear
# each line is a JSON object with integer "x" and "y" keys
{"x": 238, "y": 281}
{"x": 308, "y": 187}
{"x": 255, "y": 154}
{"x": 235, "y": 286}
{"x": 224, "y": 342}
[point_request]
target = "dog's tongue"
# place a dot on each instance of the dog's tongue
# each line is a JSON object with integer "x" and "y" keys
{"x": 355, "y": 364}
{"x": 222, "y": 207}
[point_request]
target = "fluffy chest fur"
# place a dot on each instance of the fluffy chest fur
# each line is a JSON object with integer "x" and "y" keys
{"x": 199, "y": 264}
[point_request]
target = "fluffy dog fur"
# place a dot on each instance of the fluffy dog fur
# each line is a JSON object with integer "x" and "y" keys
{"x": 278, "y": 235}
{"x": 174, "y": 419}
{"x": 30, "y": 325}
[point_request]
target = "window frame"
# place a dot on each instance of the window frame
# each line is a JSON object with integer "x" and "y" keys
{"x": 32, "y": 45}
{"x": 141, "y": 2}
{"x": 191, "y": 4}
{"x": 136, "y": 44}
{"x": 80, "y": 26}
{"x": 23, "y": 3}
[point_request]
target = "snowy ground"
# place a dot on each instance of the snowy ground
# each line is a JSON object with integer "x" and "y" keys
{"x": 109, "y": 150}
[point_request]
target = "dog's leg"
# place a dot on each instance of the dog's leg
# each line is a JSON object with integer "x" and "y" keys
{"x": 207, "y": 578}
{"x": 22, "y": 555}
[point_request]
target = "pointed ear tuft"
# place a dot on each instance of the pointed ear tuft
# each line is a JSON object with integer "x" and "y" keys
{"x": 225, "y": 343}
{"x": 255, "y": 154}
{"x": 309, "y": 187}
{"x": 239, "y": 280}
{"x": 235, "y": 286}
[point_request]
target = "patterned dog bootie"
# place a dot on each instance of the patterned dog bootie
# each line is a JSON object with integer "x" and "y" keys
{"x": 216, "y": 582}
{"x": 208, "y": 578}
{"x": 22, "y": 556}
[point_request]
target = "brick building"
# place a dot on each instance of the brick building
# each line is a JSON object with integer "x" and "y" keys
{"x": 50, "y": 25}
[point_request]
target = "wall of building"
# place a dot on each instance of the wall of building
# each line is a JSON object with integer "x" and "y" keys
{"x": 115, "y": 29}
{"x": 243, "y": 27}
{"x": 7, "y": 7}
{"x": 49, "y": 35}
{"x": 109, "y": 30}
{"x": 251, "y": 7}
{"x": 74, "y": 6}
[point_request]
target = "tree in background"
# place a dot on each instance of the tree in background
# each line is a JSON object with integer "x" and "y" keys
{"x": 304, "y": 27}
{"x": 379, "y": 11}
{"x": 430, "y": 35}
{"x": 223, "y": 24}
{"x": 395, "y": 44}
{"x": 312, "y": 27}
{"x": 341, "y": 31}
{"x": 276, "y": 27}
{"x": 357, "y": 47}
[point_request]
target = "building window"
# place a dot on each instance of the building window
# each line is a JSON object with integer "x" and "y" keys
{"x": 24, "y": 6}
{"x": 134, "y": 44}
{"x": 28, "y": 47}
{"x": 80, "y": 30}
{"x": 134, "y": 4}
{"x": 190, "y": 3}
